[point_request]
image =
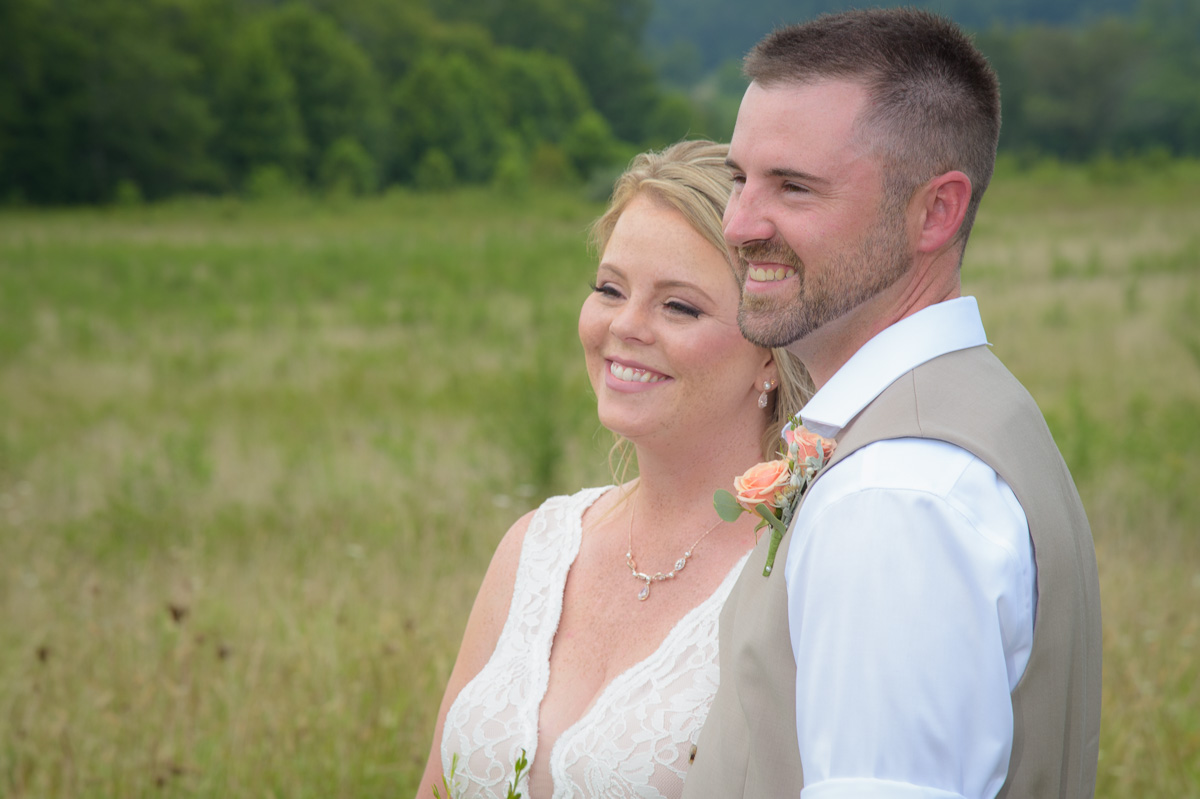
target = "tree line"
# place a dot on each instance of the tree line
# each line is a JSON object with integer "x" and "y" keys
{"x": 129, "y": 98}
{"x": 159, "y": 97}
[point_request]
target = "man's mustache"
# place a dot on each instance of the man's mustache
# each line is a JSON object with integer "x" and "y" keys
{"x": 771, "y": 251}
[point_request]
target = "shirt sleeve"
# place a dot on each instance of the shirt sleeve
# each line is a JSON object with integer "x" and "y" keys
{"x": 911, "y": 593}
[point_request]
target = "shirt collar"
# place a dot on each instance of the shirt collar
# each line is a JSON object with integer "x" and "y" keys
{"x": 941, "y": 328}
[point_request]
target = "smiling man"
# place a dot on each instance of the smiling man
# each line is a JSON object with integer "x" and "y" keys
{"x": 935, "y": 631}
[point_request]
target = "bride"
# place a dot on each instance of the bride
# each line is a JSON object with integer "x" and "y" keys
{"x": 592, "y": 645}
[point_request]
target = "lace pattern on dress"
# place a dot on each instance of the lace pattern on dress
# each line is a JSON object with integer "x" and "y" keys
{"x": 635, "y": 739}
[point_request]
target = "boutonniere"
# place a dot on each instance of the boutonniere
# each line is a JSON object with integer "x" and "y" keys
{"x": 773, "y": 489}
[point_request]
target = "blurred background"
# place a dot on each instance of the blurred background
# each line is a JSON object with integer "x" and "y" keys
{"x": 288, "y": 303}
{"x": 104, "y": 100}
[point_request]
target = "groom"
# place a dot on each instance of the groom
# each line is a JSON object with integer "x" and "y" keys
{"x": 935, "y": 628}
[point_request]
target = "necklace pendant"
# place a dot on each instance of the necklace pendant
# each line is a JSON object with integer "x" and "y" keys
{"x": 644, "y": 594}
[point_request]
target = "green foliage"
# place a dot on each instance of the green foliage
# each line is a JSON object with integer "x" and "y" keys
{"x": 449, "y": 788}
{"x": 590, "y": 144}
{"x": 337, "y": 91}
{"x": 256, "y": 98}
{"x": 435, "y": 170}
{"x": 543, "y": 95}
{"x": 98, "y": 95}
{"x": 518, "y": 771}
{"x": 194, "y": 96}
{"x": 347, "y": 168}
{"x": 449, "y": 103}
{"x": 1078, "y": 79}
{"x": 127, "y": 194}
{"x": 512, "y": 175}
{"x": 720, "y": 31}
{"x": 549, "y": 166}
{"x": 600, "y": 39}
{"x": 269, "y": 182}
{"x": 674, "y": 117}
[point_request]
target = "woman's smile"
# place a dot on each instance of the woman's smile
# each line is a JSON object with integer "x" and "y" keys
{"x": 630, "y": 377}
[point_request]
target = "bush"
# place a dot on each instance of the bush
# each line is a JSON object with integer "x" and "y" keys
{"x": 268, "y": 182}
{"x": 435, "y": 171}
{"x": 549, "y": 166}
{"x": 512, "y": 170}
{"x": 590, "y": 143}
{"x": 347, "y": 168}
{"x": 127, "y": 194}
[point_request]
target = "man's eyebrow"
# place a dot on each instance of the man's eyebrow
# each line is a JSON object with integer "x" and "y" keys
{"x": 782, "y": 172}
{"x": 795, "y": 174}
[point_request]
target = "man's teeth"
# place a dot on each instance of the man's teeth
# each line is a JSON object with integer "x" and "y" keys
{"x": 632, "y": 375}
{"x": 768, "y": 275}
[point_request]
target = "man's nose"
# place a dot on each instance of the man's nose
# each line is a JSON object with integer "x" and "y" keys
{"x": 745, "y": 220}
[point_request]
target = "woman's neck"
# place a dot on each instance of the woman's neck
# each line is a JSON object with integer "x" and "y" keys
{"x": 679, "y": 482}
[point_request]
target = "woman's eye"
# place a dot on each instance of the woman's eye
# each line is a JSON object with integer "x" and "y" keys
{"x": 606, "y": 289}
{"x": 679, "y": 307}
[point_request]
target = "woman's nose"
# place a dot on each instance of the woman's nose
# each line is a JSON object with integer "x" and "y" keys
{"x": 632, "y": 322}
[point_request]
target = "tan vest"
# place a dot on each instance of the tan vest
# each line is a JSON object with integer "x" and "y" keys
{"x": 748, "y": 746}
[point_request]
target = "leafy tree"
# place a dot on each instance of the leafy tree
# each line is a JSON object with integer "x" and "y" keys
{"x": 449, "y": 104}
{"x": 434, "y": 171}
{"x": 99, "y": 97}
{"x": 337, "y": 91}
{"x": 256, "y": 105}
{"x": 600, "y": 39}
{"x": 1164, "y": 104}
{"x": 591, "y": 144}
{"x": 544, "y": 95}
{"x": 393, "y": 35}
{"x": 674, "y": 117}
{"x": 348, "y": 168}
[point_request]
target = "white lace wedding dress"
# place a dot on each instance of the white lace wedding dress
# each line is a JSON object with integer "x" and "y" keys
{"x": 636, "y": 738}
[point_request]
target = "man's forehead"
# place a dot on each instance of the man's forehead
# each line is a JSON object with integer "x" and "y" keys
{"x": 782, "y": 125}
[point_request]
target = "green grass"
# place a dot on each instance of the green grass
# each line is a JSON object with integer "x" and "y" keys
{"x": 254, "y": 460}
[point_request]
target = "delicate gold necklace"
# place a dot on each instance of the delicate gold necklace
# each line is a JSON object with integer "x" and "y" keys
{"x": 657, "y": 577}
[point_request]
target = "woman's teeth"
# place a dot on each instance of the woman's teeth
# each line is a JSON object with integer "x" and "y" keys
{"x": 632, "y": 375}
{"x": 768, "y": 275}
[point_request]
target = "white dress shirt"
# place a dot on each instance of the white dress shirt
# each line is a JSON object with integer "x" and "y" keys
{"x": 911, "y": 594}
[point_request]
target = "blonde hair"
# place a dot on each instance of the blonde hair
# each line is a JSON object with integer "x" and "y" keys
{"x": 693, "y": 178}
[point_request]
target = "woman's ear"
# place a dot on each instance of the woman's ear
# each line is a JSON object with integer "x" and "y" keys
{"x": 769, "y": 374}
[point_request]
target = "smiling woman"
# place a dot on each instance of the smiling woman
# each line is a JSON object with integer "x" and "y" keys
{"x": 660, "y": 333}
{"x": 568, "y": 655}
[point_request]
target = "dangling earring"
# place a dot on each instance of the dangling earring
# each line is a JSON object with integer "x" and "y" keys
{"x": 764, "y": 399}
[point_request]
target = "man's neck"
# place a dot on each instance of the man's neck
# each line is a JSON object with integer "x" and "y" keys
{"x": 827, "y": 349}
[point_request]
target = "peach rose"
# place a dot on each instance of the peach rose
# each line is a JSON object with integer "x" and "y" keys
{"x": 762, "y": 483}
{"x": 808, "y": 444}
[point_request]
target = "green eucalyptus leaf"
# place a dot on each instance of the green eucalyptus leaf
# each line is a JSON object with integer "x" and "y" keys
{"x": 770, "y": 518}
{"x": 727, "y": 507}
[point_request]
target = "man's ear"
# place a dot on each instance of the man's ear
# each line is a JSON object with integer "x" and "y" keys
{"x": 944, "y": 202}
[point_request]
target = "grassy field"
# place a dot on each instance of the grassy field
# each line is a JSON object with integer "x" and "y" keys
{"x": 254, "y": 460}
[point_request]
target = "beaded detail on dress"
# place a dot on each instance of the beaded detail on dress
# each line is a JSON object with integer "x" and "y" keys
{"x": 636, "y": 738}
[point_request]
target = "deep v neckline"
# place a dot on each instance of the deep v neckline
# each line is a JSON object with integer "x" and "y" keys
{"x": 686, "y": 621}
{"x": 635, "y": 735}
